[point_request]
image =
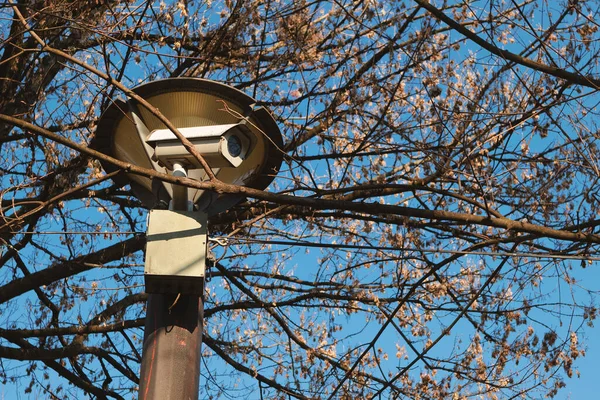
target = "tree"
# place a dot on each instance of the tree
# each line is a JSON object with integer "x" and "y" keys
{"x": 437, "y": 201}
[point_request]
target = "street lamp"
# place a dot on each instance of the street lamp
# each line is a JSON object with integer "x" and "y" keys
{"x": 241, "y": 143}
{"x": 190, "y": 104}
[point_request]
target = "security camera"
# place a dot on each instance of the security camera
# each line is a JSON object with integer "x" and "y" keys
{"x": 220, "y": 145}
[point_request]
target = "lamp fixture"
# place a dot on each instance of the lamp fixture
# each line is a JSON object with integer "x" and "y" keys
{"x": 239, "y": 140}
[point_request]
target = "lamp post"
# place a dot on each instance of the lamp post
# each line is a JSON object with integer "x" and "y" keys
{"x": 242, "y": 145}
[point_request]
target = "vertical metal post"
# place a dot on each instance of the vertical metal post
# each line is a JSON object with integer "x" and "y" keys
{"x": 170, "y": 367}
{"x": 180, "y": 193}
{"x": 172, "y": 342}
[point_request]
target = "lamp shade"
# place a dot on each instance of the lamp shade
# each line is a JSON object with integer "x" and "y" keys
{"x": 125, "y": 126}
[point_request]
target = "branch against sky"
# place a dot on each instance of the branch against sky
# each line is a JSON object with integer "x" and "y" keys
{"x": 438, "y": 151}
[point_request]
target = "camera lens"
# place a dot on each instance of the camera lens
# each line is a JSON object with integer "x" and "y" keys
{"x": 234, "y": 146}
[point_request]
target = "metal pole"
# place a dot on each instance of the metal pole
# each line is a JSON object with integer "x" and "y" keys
{"x": 170, "y": 367}
{"x": 171, "y": 354}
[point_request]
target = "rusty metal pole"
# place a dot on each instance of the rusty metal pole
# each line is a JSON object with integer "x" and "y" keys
{"x": 174, "y": 277}
{"x": 172, "y": 342}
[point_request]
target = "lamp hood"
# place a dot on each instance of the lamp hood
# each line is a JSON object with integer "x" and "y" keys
{"x": 188, "y": 102}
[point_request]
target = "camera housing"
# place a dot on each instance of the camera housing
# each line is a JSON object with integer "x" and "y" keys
{"x": 221, "y": 146}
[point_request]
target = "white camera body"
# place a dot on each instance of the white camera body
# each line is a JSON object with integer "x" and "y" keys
{"x": 221, "y": 146}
